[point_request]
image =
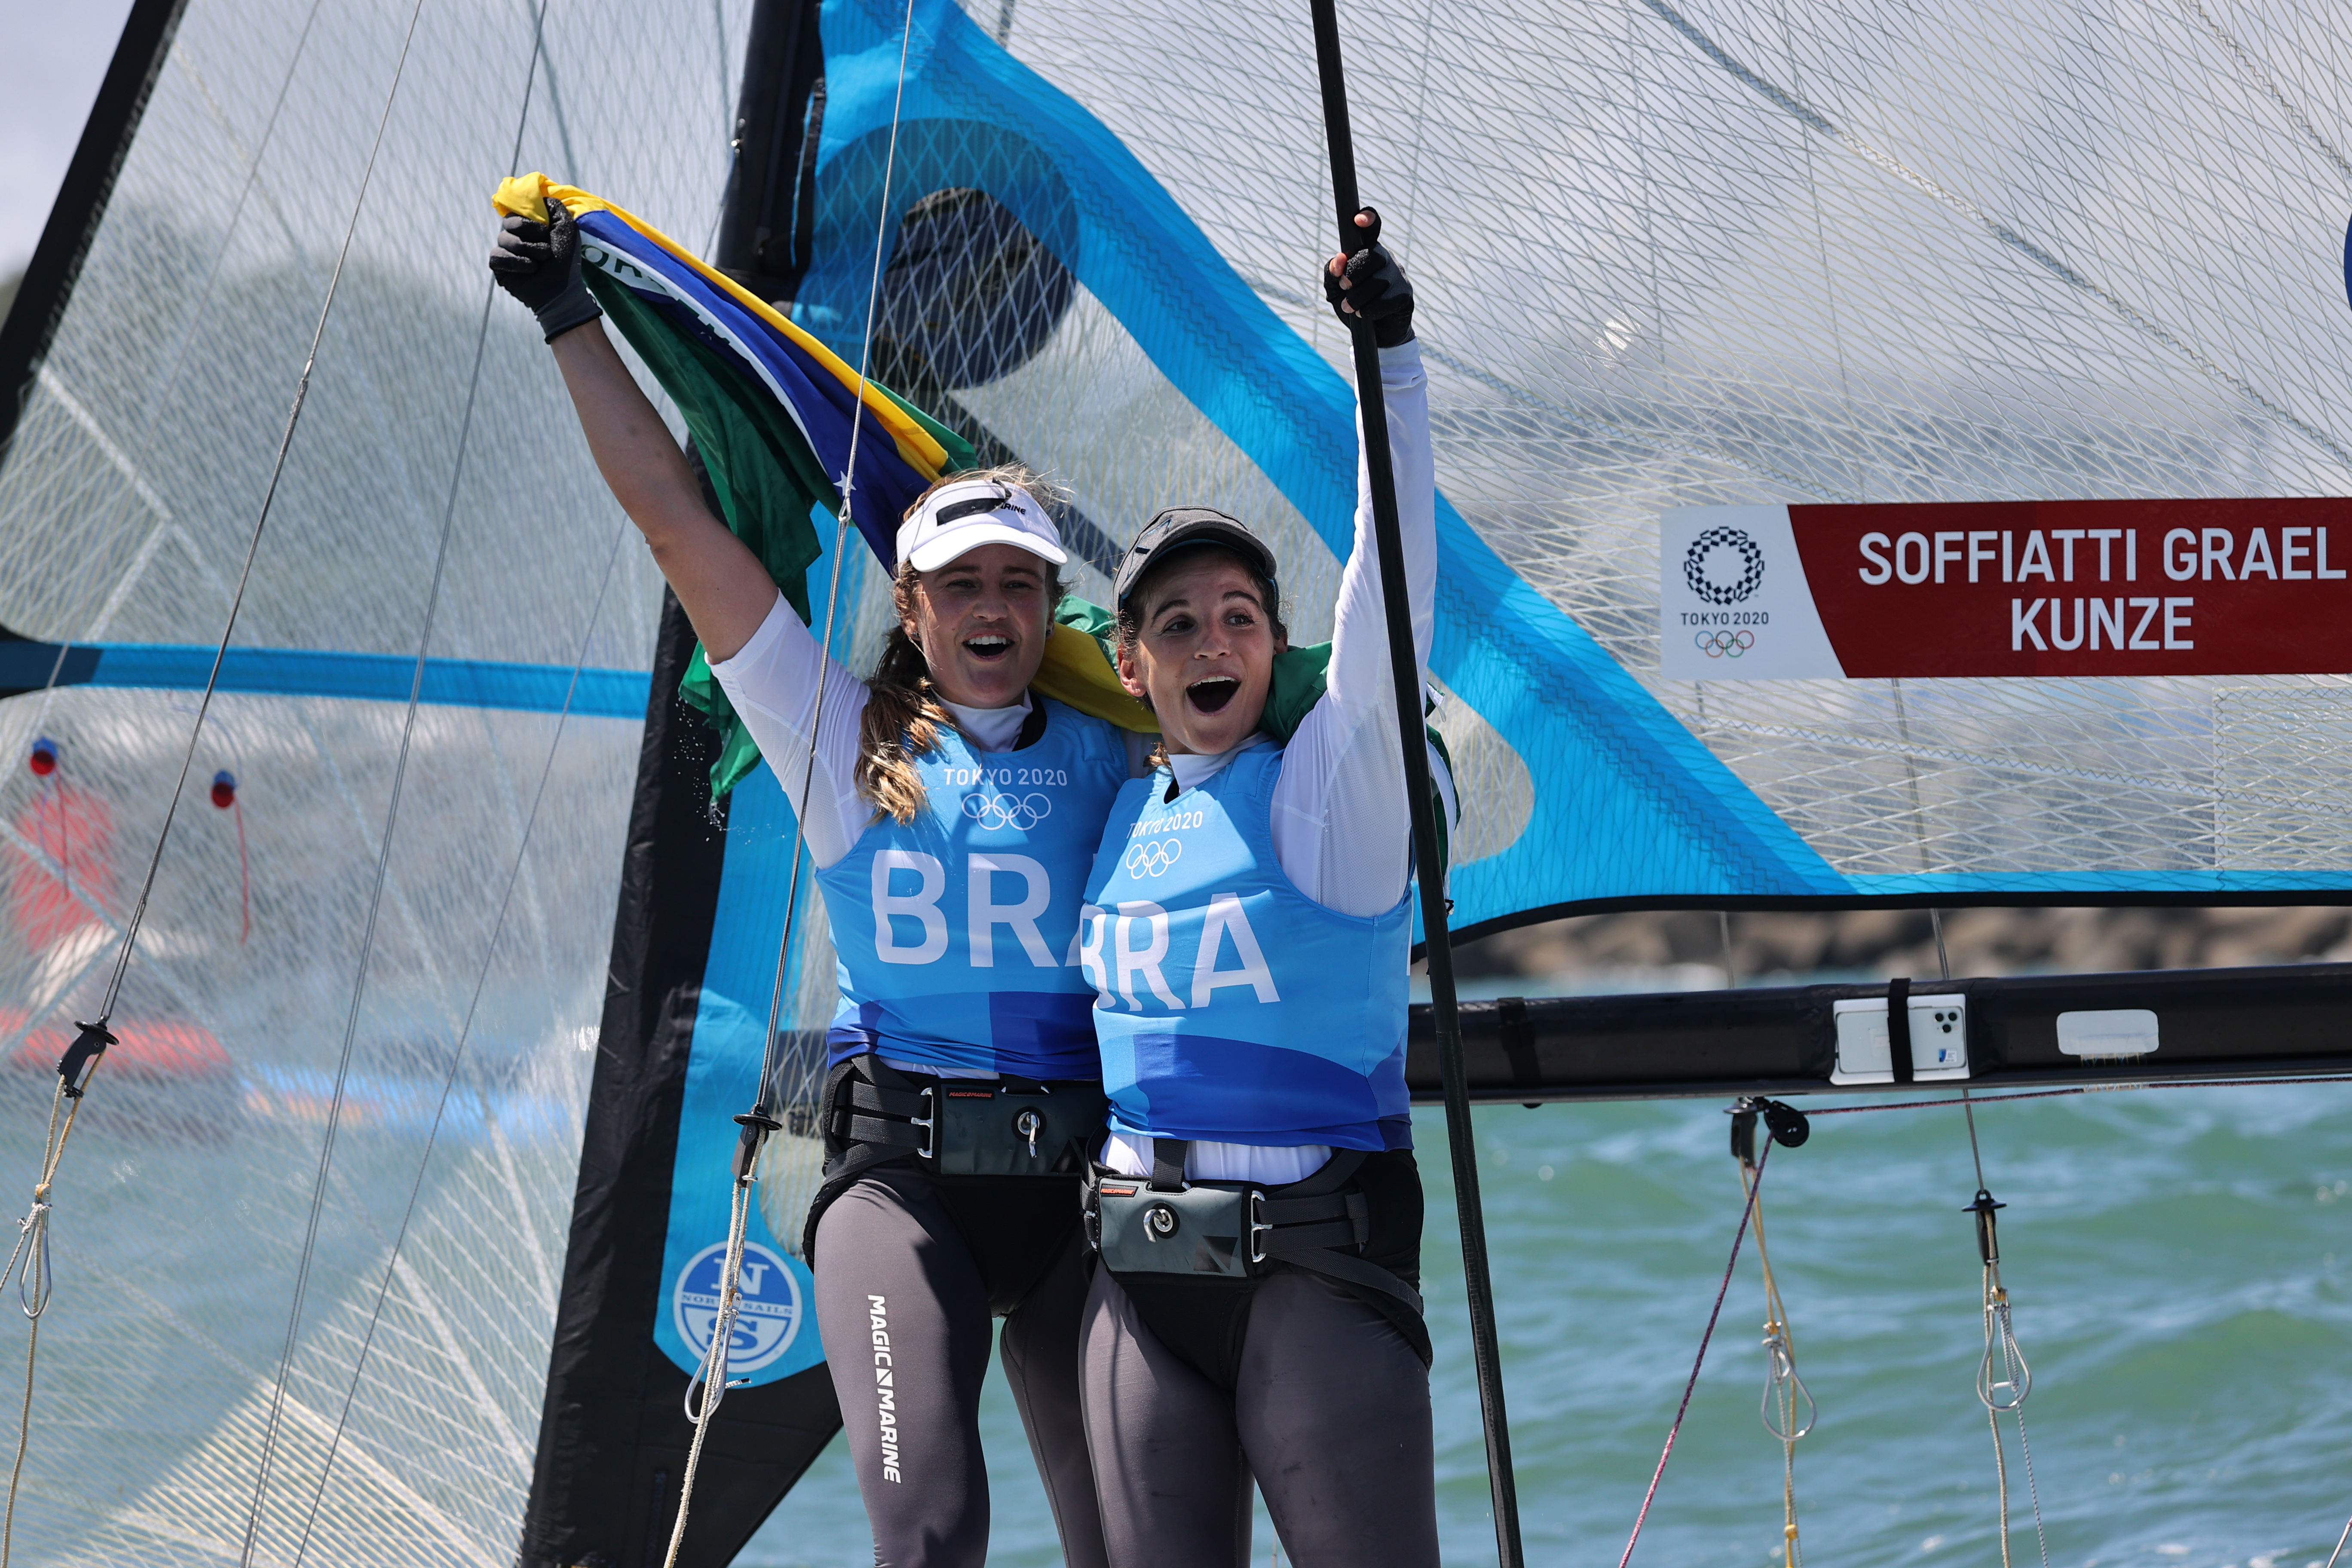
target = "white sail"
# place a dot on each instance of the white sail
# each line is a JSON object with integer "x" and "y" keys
{"x": 184, "y": 1208}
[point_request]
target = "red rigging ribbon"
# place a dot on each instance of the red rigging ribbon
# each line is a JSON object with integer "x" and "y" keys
{"x": 2016, "y": 588}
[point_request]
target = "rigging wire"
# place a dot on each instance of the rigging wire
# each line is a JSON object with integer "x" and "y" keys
{"x": 83, "y": 1059}
{"x": 253, "y": 546}
{"x": 275, "y": 1421}
{"x": 710, "y": 1377}
{"x": 2339, "y": 1543}
{"x": 1407, "y": 685}
{"x": 1690, "y": 1387}
{"x": 465, "y": 1033}
{"x": 32, "y": 1254}
{"x": 2075, "y": 1089}
{"x": 458, "y": 1053}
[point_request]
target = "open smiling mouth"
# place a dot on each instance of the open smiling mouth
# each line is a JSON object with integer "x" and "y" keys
{"x": 1210, "y": 696}
{"x": 988, "y": 647}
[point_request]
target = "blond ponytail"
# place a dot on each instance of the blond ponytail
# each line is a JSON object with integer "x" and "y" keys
{"x": 903, "y": 715}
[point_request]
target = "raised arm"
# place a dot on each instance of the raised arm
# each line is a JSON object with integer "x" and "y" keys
{"x": 1341, "y": 824}
{"x": 765, "y": 658}
{"x": 725, "y": 590}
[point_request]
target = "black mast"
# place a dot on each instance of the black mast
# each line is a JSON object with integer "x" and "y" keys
{"x": 32, "y": 322}
{"x": 1404, "y": 670}
{"x": 613, "y": 1436}
{"x": 765, "y": 227}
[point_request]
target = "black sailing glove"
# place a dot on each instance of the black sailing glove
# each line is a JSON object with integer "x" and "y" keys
{"x": 539, "y": 264}
{"x": 1373, "y": 289}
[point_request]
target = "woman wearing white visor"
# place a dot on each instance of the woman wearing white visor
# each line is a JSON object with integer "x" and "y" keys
{"x": 952, "y": 815}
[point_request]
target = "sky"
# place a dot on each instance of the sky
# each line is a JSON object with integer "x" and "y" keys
{"x": 56, "y": 54}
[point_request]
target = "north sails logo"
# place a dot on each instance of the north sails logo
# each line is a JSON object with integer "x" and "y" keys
{"x": 1729, "y": 551}
{"x": 767, "y": 1315}
{"x": 885, "y": 1388}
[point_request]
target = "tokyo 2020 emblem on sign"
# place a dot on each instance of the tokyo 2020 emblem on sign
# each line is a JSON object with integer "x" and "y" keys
{"x": 1723, "y": 566}
{"x": 767, "y": 1318}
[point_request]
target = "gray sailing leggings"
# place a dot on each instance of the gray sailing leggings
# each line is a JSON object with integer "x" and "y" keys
{"x": 904, "y": 1315}
{"x": 1330, "y": 1412}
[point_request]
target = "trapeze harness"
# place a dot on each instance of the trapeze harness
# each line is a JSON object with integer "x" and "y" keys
{"x": 957, "y": 935}
{"x": 1231, "y": 1006}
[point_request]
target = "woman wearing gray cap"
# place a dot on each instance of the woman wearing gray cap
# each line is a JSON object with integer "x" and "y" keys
{"x": 1256, "y": 1207}
{"x": 951, "y": 815}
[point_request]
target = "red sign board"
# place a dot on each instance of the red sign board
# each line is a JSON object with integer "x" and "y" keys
{"x": 2097, "y": 588}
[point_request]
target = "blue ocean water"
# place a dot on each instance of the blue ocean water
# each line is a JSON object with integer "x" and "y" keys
{"x": 2180, "y": 1262}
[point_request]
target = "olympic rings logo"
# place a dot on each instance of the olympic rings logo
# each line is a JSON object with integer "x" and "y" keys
{"x": 1724, "y": 645}
{"x": 1751, "y": 565}
{"x": 1020, "y": 812}
{"x": 1152, "y": 857}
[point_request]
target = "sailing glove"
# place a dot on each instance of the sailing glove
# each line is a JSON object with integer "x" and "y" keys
{"x": 1373, "y": 289}
{"x": 539, "y": 264}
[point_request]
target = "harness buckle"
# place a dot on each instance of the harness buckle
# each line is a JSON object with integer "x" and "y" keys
{"x": 1029, "y": 1124}
{"x": 928, "y": 1123}
{"x": 1257, "y": 1227}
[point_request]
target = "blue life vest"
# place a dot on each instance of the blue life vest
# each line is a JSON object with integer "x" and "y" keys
{"x": 957, "y": 933}
{"x": 1230, "y": 1006}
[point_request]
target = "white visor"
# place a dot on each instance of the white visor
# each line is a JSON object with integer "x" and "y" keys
{"x": 958, "y": 518}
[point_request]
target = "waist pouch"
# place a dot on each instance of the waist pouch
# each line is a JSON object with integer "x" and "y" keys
{"x": 1191, "y": 1255}
{"x": 983, "y": 1131}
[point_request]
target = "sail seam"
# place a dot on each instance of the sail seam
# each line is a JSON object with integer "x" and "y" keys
{"x": 1605, "y": 428}
{"x": 2064, "y": 271}
{"x": 2263, "y": 80}
{"x": 2006, "y": 765}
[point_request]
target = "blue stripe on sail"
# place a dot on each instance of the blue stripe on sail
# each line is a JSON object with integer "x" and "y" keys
{"x": 1628, "y": 802}
{"x": 364, "y": 676}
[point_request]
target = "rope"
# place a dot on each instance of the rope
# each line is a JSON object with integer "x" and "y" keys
{"x": 25, "y": 1431}
{"x": 711, "y": 1376}
{"x": 2004, "y": 1381}
{"x": 1784, "y": 1390}
{"x": 34, "y": 1282}
{"x": 1747, "y": 1211}
{"x": 2339, "y": 1543}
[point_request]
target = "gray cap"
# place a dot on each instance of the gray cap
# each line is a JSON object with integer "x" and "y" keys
{"x": 1178, "y": 528}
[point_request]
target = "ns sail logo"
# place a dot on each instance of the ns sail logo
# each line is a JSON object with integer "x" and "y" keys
{"x": 767, "y": 1317}
{"x": 1724, "y": 567}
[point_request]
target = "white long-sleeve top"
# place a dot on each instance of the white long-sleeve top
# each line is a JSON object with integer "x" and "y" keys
{"x": 1342, "y": 825}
